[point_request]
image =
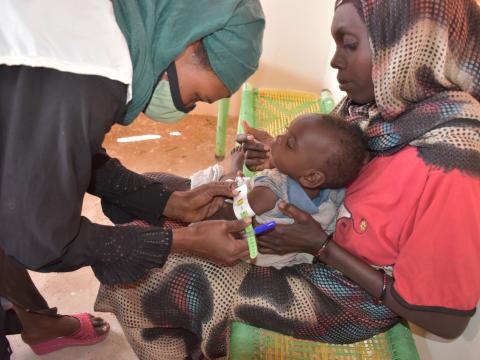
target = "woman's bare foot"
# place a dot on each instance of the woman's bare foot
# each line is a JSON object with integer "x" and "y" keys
{"x": 237, "y": 159}
{"x": 38, "y": 328}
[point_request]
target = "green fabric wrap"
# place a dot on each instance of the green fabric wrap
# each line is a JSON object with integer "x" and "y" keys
{"x": 157, "y": 31}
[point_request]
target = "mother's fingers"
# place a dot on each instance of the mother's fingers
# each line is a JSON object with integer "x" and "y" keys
{"x": 295, "y": 213}
{"x": 245, "y": 138}
{"x": 256, "y": 154}
{"x": 246, "y": 127}
{"x": 253, "y": 164}
{"x": 268, "y": 243}
{"x": 260, "y": 135}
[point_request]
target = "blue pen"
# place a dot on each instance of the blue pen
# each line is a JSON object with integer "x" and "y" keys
{"x": 265, "y": 227}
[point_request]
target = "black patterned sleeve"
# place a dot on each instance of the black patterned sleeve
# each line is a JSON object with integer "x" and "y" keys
{"x": 130, "y": 252}
{"x": 117, "y": 254}
{"x": 136, "y": 195}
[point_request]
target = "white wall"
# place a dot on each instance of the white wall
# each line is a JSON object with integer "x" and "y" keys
{"x": 297, "y": 51}
{"x": 466, "y": 347}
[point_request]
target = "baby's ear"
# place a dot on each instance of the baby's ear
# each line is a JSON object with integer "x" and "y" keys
{"x": 313, "y": 179}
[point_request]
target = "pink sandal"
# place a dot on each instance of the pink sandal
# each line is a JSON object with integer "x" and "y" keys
{"x": 84, "y": 336}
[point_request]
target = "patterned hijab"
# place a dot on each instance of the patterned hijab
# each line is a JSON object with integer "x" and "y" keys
{"x": 426, "y": 74}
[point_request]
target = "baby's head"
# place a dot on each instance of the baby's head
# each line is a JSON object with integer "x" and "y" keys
{"x": 320, "y": 151}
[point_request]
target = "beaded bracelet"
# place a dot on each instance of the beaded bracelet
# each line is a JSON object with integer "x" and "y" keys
{"x": 324, "y": 245}
{"x": 381, "y": 298}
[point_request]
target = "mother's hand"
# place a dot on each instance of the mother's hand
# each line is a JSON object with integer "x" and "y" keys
{"x": 305, "y": 235}
{"x": 199, "y": 203}
{"x": 256, "y": 144}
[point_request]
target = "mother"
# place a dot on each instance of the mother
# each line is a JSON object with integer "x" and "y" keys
{"x": 411, "y": 73}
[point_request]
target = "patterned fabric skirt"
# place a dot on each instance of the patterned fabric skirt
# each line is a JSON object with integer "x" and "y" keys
{"x": 185, "y": 309}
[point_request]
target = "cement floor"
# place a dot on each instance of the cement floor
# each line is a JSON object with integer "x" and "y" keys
{"x": 76, "y": 291}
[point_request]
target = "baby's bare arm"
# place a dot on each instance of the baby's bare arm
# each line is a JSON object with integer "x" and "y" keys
{"x": 262, "y": 199}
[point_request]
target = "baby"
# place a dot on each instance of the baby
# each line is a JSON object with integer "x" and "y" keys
{"x": 314, "y": 160}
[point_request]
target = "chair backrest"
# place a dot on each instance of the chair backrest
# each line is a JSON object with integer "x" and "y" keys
{"x": 273, "y": 109}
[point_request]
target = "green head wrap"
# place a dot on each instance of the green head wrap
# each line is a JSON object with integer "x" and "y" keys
{"x": 157, "y": 31}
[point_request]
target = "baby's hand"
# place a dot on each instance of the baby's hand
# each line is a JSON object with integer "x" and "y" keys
{"x": 256, "y": 144}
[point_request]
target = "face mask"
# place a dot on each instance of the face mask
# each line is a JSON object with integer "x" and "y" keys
{"x": 161, "y": 107}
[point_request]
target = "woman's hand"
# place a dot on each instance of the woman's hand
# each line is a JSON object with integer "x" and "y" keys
{"x": 305, "y": 235}
{"x": 199, "y": 203}
{"x": 216, "y": 240}
{"x": 256, "y": 144}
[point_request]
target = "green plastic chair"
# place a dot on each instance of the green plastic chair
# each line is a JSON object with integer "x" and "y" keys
{"x": 222, "y": 124}
{"x": 248, "y": 342}
{"x": 272, "y": 110}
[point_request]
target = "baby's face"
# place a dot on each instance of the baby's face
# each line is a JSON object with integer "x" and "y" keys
{"x": 302, "y": 147}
